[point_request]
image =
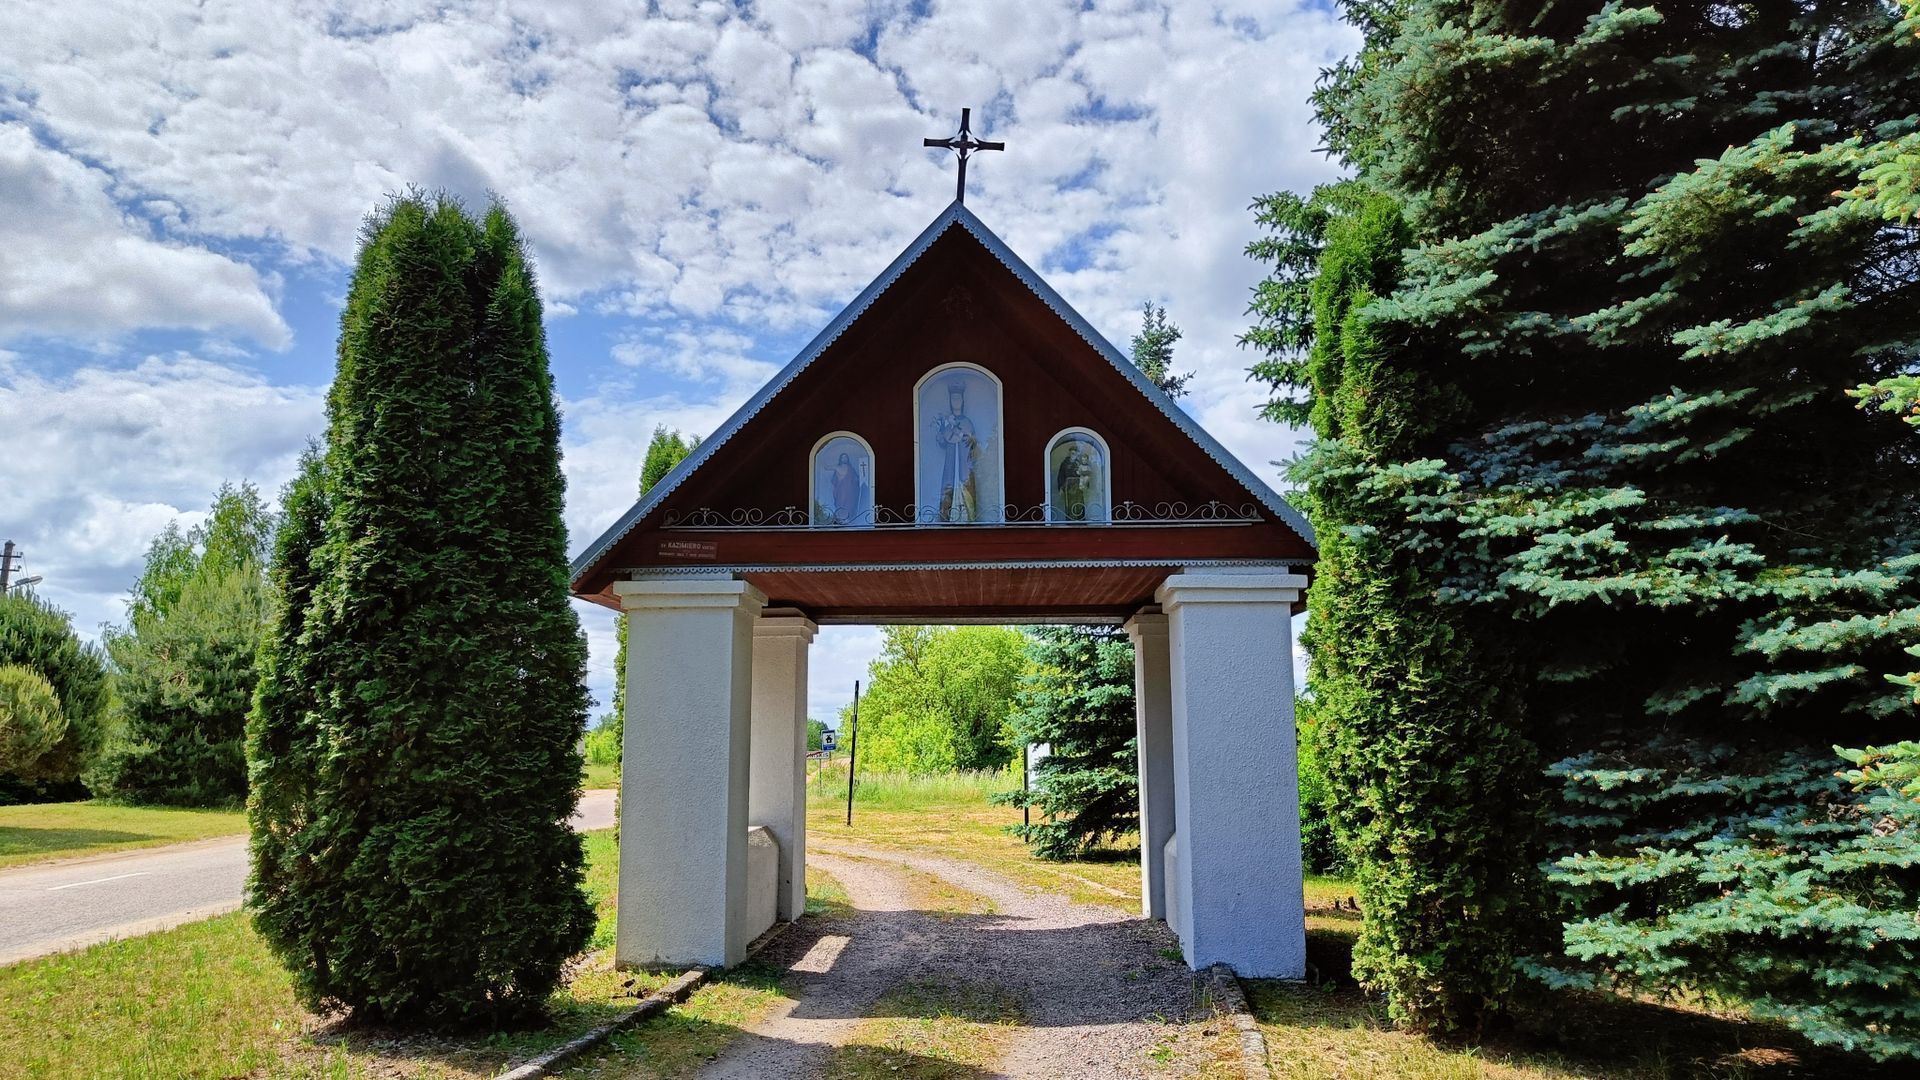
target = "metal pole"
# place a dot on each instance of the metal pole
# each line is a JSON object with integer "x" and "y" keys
{"x": 1026, "y": 784}
{"x": 6, "y": 567}
{"x": 853, "y": 749}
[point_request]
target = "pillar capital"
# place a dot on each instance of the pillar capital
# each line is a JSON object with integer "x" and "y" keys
{"x": 1149, "y": 621}
{"x": 1253, "y": 585}
{"x": 785, "y": 622}
{"x": 667, "y": 593}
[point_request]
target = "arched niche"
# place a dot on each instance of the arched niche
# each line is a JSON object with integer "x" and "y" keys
{"x": 1079, "y": 477}
{"x": 959, "y": 474}
{"x": 840, "y": 481}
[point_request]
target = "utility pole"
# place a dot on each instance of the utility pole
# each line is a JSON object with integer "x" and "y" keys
{"x": 7, "y": 558}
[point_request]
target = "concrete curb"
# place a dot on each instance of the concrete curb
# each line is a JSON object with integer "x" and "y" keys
{"x": 1233, "y": 1001}
{"x": 653, "y": 1004}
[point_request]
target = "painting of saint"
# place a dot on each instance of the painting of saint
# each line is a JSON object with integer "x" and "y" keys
{"x": 1076, "y": 478}
{"x": 959, "y": 447}
{"x": 959, "y": 443}
{"x": 842, "y": 482}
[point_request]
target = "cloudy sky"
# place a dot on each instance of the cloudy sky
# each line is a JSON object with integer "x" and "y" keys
{"x": 704, "y": 185}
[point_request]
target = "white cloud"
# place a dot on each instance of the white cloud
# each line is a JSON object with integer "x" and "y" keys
{"x": 100, "y": 459}
{"x": 727, "y": 172}
{"x": 77, "y": 264}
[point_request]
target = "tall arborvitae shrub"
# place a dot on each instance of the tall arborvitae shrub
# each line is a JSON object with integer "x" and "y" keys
{"x": 1432, "y": 782}
{"x": 417, "y": 729}
{"x": 1649, "y": 251}
{"x": 1076, "y": 697}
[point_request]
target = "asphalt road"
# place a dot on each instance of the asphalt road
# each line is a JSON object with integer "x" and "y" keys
{"x": 68, "y": 905}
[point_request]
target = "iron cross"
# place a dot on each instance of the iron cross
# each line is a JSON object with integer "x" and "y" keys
{"x": 963, "y": 144}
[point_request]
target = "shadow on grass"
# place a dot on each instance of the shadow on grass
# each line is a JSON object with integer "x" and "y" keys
{"x": 28, "y": 840}
{"x": 1553, "y": 1033}
{"x": 603, "y": 995}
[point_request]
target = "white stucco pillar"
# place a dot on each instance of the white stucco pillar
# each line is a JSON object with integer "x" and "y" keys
{"x": 777, "y": 783}
{"x": 1153, "y": 731}
{"x": 683, "y": 795}
{"x": 1237, "y": 883}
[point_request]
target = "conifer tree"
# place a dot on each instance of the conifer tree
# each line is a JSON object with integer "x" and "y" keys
{"x": 1077, "y": 697}
{"x": 416, "y": 731}
{"x": 1433, "y": 782}
{"x": 1635, "y": 265}
{"x": 1152, "y": 350}
{"x": 184, "y": 666}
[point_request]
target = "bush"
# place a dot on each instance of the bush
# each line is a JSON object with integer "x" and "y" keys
{"x": 603, "y": 745}
{"x": 415, "y": 739}
{"x": 1319, "y": 850}
{"x": 30, "y": 719}
{"x": 39, "y": 638}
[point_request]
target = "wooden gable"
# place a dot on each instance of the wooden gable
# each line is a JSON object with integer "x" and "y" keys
{"x": 741, "y": 503}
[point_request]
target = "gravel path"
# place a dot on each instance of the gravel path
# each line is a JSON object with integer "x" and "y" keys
{"x": 1096, "y": 992}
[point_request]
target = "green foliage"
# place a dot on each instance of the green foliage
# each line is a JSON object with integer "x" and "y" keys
{"x": 1619, "y": 347}
{"x": 184, "y": 667}
{"x": 938, "y": 699}
{"x": 1429, "y": 780}
{"x": 1795, "y": 877}
{"x": 815, "y": 730}
{"x": 40, "y": 638}
{"x": 1076, "y": 696}
{"x": 31, "y": 722}
{"x": 603, "y": 742}
{"x": 1152, "y": 351}
{"x": 414, "y": 742}
{"x": 664, "y": 451}
{"x": 1319, "y": 847}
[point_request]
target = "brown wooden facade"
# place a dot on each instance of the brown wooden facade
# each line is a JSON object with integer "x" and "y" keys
{"x": 957, "y": 300}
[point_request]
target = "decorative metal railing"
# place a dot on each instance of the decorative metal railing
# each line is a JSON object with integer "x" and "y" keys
{"x": 797, "y": 519}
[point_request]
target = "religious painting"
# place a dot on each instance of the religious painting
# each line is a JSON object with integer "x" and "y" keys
{"x": 842, "y": 481}
{"x": 1078, "y": 483}
{"x": 957, "y": 438}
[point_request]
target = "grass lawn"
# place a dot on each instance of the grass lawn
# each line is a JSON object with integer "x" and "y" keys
{"x": 56, "y": 830}
{"x": 209, "y": 1000}
{"x": 600, "y": 777}
{"x": 950, "y": 815}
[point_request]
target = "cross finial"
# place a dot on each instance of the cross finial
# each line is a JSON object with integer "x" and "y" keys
{"x": 963, "y": 144}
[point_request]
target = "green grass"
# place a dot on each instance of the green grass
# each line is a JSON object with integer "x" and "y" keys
{"x": 601, "y": 777}
{"x": 41, "y": 831}
{"x": 1330, "y": 1027}
{"x": 827, "y": 786}
{"x": 950, "y": 815}
{"x": 209, "y": 999}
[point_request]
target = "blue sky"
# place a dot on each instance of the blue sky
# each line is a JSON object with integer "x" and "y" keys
{"x": 703, "y": 186}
